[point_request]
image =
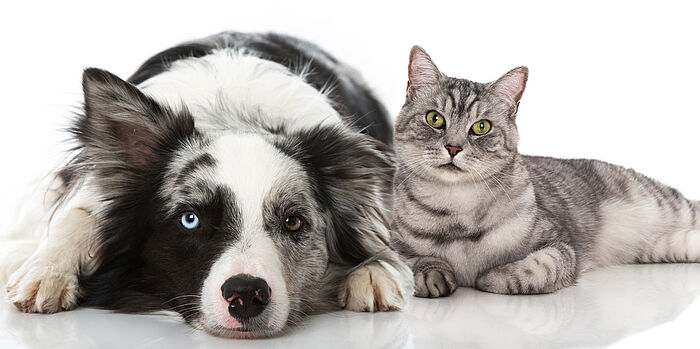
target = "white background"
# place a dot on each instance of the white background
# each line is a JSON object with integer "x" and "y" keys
{"x": 616, "y": 81}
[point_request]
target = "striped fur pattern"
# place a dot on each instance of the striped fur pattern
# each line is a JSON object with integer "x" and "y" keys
{"x": 507, "y": 223}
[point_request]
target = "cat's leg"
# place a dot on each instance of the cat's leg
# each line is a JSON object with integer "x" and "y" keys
{"x": 48, "y": 281}
{"x": 542, "y": 271}
{"x": 433, "y": 276}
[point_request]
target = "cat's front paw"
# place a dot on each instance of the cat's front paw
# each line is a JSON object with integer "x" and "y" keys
{"x": 40, "y": 287}
{"x": 434, "y": 278}
{"x": 497, "y": 280}
{"x": 371, "y": 288}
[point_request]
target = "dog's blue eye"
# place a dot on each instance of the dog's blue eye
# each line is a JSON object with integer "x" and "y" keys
{"x": 189, "y": 220}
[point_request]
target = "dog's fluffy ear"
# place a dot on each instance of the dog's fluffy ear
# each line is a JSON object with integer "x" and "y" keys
{"x": 352, "y": 176}
{"x": 123, "y": 126}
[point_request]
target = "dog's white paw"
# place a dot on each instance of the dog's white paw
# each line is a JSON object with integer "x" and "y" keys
{"x": 42, "y": 287}
{"x": 371, "y": 288}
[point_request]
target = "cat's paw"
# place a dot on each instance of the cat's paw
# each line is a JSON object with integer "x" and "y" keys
{"x": 41, "y": 287}
{"x": 497, "y": 280}
{"x": 371, "y": 288}
{"x": 435, "y": 283}
{"x": 434, "y": 278}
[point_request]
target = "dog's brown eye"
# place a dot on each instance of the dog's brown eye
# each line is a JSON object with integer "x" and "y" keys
{"x": 293, "y": 223}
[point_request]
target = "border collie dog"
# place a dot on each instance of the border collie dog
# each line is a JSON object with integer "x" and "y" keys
{"x": 241, "y": 180}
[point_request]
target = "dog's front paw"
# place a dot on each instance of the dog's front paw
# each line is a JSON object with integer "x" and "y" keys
{"x": 434, "y": 278}
{"x": 371, "y": 288}
{"x": 40, "y": 287}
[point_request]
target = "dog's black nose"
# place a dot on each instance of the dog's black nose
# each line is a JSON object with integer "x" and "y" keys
{"x": 246, "y": 295}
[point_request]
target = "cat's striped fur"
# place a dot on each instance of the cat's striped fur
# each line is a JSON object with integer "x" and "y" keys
{"x": 503, "y": 222}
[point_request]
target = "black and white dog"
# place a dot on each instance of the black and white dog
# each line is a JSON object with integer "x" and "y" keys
{"x": 240, "y": 180}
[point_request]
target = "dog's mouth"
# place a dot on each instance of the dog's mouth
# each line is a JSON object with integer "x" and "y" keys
{"x": 241, "y": 332}
{"x": 243, "y": 329}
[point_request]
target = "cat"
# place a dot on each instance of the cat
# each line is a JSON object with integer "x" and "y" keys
{"x": 470, "y": 210}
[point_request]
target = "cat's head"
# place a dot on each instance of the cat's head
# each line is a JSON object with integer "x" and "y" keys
{"x": 455, "y": 129}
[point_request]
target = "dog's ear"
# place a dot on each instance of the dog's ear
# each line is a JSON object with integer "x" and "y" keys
{"x": 352, "y": 175}
{"x": 123, "y": 127}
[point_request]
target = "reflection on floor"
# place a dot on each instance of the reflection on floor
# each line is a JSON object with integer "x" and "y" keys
{"x": 606, "y": 306}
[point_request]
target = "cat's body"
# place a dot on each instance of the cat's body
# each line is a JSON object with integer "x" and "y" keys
{"x": 502, "y": 222}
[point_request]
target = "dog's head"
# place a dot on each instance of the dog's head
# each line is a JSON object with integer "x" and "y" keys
{"x": 241, "y": 231}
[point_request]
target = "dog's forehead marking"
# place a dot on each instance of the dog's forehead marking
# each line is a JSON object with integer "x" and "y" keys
{"x": 234, "y": 78}
{"x": 250, "y": 167}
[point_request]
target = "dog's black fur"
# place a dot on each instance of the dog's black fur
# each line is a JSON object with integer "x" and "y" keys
{"x": 141, "y": 263}
{"x": 351, "y": 98}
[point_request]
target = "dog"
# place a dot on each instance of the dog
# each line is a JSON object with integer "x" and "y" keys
{"x": 240, "y": 180}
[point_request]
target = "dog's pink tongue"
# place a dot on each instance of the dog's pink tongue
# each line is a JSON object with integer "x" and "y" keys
{"x": 232, "y": 323}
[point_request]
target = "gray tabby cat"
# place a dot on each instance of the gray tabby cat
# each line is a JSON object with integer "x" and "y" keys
{"x": 471, "y": 211}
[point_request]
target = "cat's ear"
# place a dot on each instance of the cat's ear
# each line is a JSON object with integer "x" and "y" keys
{"x": 510, "y": 87}
{"x": 422, "y": 71}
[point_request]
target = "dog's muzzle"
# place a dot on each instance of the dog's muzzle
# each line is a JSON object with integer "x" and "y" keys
{"x": 246, "y": 295}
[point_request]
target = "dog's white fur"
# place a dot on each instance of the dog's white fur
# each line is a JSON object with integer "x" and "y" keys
{"x": 47, "y": 281}
{"x": 244, "y": 82}
{"x": 373, "y": 287}
{"x": 250, "y": 176}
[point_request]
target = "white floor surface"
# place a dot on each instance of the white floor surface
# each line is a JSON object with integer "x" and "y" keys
{"x": 641, "y": 306}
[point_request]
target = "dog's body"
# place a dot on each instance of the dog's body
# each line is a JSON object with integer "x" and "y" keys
{"x": 233, "y": 186}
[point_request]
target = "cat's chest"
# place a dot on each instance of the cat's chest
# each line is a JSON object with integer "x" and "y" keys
{"x": 475, "y": 230}
{"x": 468, "y": 206}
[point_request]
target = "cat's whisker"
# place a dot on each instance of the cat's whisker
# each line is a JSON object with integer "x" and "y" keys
{"x": 486, "y": 184}
{"x": 413, "y": 170}
{"x": 510, "y": 199}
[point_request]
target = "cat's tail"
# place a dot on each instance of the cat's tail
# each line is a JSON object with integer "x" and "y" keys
{"x": 678, "y": 240}
{"x": 646, "y": 228}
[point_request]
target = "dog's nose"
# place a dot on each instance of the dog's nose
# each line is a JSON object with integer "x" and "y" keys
{"x": 453, "y": 150}
{"x": 246, "y": 295}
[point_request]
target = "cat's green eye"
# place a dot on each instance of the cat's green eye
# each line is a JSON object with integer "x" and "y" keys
{"x": 481, "y": 127}
{"x": 434, "y": 119}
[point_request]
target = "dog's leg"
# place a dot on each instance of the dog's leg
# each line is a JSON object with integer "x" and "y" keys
{"x": 48, "y": 281}
{"x": 382, "y": 284}
{"x": 34, "y": 209}
{"x": 14, "y": 253}
{"x": 21, "y": 239}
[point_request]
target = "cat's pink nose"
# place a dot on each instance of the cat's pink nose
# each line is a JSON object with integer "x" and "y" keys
{"x": 453, "y": 150}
